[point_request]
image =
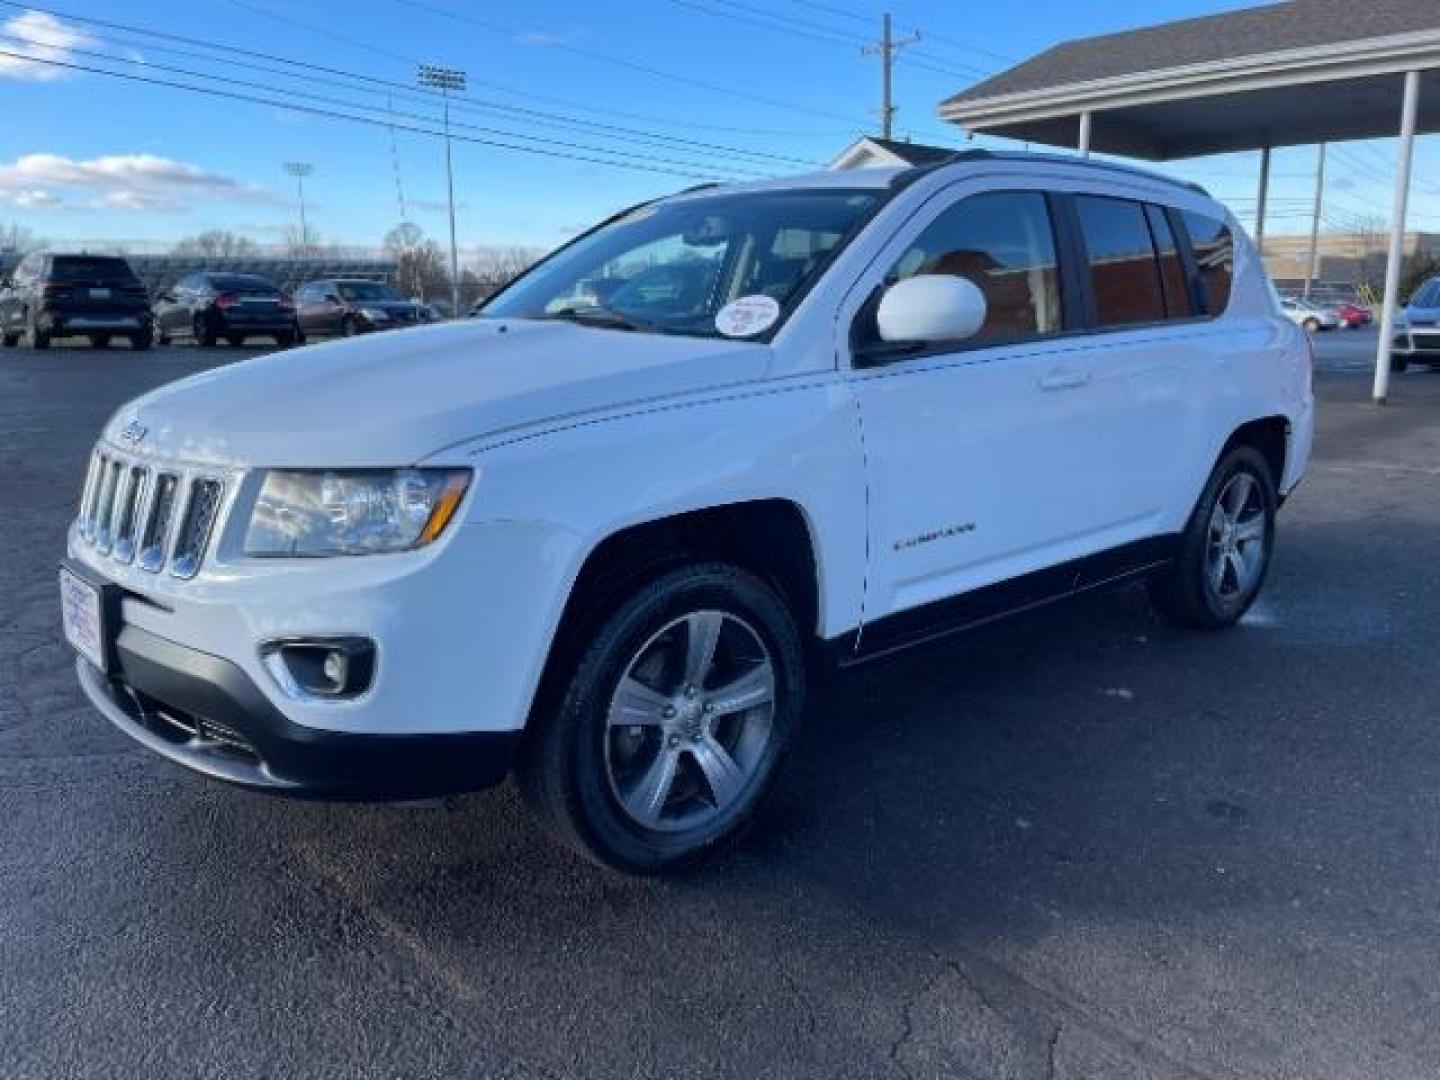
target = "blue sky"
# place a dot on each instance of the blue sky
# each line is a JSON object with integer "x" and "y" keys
{"x": 88, "y": 156}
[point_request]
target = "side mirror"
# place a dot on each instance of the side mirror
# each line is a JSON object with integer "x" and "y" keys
{"x": 931, "y": 307}
{"x": 332, "y": 298}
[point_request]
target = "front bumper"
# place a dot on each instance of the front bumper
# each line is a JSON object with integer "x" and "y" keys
{"x": 205, "y": 713}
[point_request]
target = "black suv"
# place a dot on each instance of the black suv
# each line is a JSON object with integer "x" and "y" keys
{"x": 96, "y": 296}
{"x": 217, "y": 306}
{"x": 354, "y": 306}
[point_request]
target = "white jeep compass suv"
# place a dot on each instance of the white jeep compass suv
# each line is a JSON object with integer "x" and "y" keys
{"x": 596, "y": 535}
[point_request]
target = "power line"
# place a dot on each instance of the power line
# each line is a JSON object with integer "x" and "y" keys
{"x": 631, "y": 65}
{"x": 151, "y": 33}
{"x": 869, "y": 19}
{"x": 389, "y": 89}
{"x": 332, "y": 114}
{"x": 346, "y": 104}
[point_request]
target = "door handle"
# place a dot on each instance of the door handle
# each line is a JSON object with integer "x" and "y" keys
{"x": 1064, "y": 379}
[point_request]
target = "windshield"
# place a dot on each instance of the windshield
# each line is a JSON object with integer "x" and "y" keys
{"x": 672, "y": 267}
{"x": 366, "y": 290}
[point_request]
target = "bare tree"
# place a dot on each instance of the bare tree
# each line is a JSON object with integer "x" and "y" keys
{"x": 19, "y": 239}
{"x": 497, "y": 266}
{"x": 302, "y": 244}
{"x": 420, "y": 264}
{"x": 216, "y": 243}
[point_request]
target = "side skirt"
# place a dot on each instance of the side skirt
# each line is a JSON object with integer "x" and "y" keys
{"x": 1014, "y": 596}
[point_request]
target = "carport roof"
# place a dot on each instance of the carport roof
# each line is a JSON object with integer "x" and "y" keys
{"x": 1292, "y": 73}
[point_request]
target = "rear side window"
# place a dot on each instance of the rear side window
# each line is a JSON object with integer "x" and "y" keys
{"x": 1002, "y": 242}
{"x": 1124, "y": 272}
{"x": 97, "y": 267}
{"x": 1214, "y": 249}
{"x": 1178, "y": 304}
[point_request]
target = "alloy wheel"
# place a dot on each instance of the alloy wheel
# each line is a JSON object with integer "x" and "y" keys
{"x": 1236, "y": 547}
{"x": 690, "y": 721}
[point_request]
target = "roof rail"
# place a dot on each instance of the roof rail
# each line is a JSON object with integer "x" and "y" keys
{"x": 909, "y": 176}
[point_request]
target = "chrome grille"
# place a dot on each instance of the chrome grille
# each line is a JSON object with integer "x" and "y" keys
{"x": 201, "y": 511}
{"x": 129, "y": 510}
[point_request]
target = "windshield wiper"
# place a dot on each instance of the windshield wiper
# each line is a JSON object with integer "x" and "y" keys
{"x": 605, "y": 319}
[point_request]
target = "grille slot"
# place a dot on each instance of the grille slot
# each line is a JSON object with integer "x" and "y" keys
{"x": 201, "y": 510}
{"x": 157, "y": 522}
{"x": 105, "y": 510}
{"x": 127, "y": 513}
{"x": 154, "y": 516}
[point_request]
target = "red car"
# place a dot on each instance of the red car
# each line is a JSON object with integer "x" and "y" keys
{"x": 1352, "y": 316}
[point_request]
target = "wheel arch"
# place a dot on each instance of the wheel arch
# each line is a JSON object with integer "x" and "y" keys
{"x": 1270, "y": 436}
{"x": 773, "y": 538}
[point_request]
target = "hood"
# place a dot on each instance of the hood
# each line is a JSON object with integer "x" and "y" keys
{"x": 396, "y": 398}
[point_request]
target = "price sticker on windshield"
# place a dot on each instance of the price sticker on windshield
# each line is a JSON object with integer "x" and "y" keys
{"x": 747, "y": 316}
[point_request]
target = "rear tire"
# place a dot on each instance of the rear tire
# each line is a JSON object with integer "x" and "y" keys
{"x": 200, "y": 329}
{"x": 234, "y": 340}
{"x": 99, "y": 341}
{"x": 1226, "y": 546}
{"x": 643, "y": 780}
{"x": 143, "y": 340}
{"x": 9, "y": 341}
{"x": 1399, "y": 363}
{"x": 348, "y": 327}
{"x": 1312, "y": 326}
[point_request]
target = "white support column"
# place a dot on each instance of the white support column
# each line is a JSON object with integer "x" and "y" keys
{"x": 1409, "y": 103}
{"x": 1084, "y": 143}
{"x": 1312, "y": 264}
{"x": 1261, "y": 198}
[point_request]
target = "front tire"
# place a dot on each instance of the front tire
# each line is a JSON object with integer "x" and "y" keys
{"x": 1399, "y": 363}
{"x": 1225, "y": 548}
{"x": 670, "y": 721}
{"x": 143, "y": 340}
{"x": 1312, "y": 326}
{"x": 203, "y": 334}
{"x": 99, "y": 341}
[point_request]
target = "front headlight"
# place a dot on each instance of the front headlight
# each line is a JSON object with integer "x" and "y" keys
{"x": 375, "y": 314}
{"x": 352, "y": 511}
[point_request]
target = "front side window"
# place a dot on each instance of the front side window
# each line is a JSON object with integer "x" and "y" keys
{"x": 1003, "y": 243}
{"x": 1214, "y": 257}
{"x": 670, "y": 267}
{"x": 1124, "y": 274}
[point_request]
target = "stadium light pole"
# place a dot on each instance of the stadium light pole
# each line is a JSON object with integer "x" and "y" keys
{"x": 300, "y": 170}
{"x": 448, "y": 81}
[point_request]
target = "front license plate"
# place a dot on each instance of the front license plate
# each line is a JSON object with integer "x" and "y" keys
{"x": 99, "y": 294}
{"x": 81, "y": 615}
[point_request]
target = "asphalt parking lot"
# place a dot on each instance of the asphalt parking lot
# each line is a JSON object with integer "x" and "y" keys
{"x": 1081, "y": 845}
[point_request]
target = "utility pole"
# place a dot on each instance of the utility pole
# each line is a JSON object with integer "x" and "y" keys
{"x": 1312, "y": 265}
{"x": 886, "y": 50}
{"x": 300, "y": 170}
{"x": 448, "y": 80}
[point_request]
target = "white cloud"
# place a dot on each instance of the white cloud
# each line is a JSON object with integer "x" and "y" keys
{"x": 138, "y": 200}
{"x": 42, "y": 37}
{"x": 134, "y": 182}
{"x": 35, "y": 199}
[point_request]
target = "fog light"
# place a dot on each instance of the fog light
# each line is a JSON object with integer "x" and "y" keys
{"x": 335, "y": 668}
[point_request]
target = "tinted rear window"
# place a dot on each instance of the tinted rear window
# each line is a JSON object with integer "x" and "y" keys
{"x": 1214, "y": 257}
{"x": 1123, "y": 268}
{"x": 80, "y": 267}
{"x": 248, "y": 283}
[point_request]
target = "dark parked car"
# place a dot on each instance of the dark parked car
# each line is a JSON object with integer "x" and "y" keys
{"x": 354, "y": 306}
{"x": 212, "y": 307}
{"x": 54, "y": 296}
